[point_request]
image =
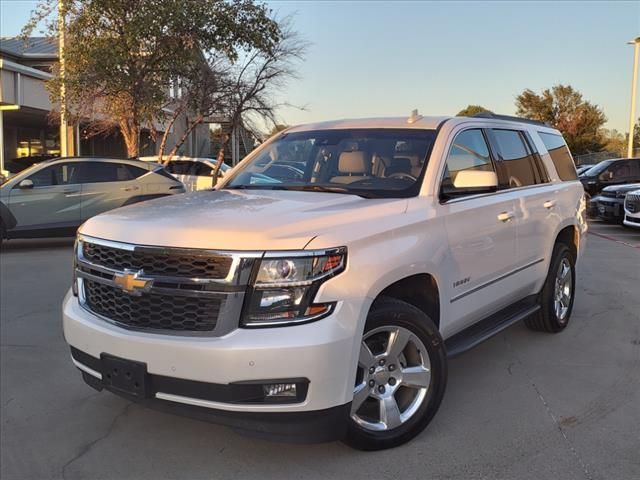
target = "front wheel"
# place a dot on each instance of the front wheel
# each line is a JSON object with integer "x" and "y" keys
{"x": 401, "y": 377}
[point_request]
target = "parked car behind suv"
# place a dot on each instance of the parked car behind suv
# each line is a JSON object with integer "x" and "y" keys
{"x": 54, "y": 197}
{"x": 632, "y": 209}
{"x": 610, "y": 172}
{"x": 610, "y": 203}
{"x": 325, "y": 306}
{"x": 195, "y": 173}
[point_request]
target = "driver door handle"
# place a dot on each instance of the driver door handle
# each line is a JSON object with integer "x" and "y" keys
{"x": 70, "y": 191}
{"x": 549, "y": 204}
{"x": 506, "y": 216}
{"x": 130, "y": 189}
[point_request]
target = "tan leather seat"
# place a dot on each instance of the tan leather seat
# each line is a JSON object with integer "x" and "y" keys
{"x": 352, "y": 166}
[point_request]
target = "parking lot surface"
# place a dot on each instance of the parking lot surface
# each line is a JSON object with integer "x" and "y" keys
{"x": 522, "y": 405}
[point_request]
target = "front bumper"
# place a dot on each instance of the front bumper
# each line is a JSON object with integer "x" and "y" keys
{"x": 323, "y": 352}
{"x": 610, "y": 209}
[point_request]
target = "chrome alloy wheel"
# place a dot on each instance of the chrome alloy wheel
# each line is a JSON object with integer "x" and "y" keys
{"x": 394, "y": 374}
{"x": 563, "y": 290}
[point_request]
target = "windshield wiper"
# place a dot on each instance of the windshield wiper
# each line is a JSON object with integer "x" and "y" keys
{"x": 325, "y": 189}
{"x": 303, "y": 188}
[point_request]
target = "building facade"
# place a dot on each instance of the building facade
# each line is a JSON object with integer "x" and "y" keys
{"x": 28, "y": 128}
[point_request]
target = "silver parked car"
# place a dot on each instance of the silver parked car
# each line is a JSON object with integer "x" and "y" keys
{"x": 54, "y": 197}
{"x": 195, "y": 173}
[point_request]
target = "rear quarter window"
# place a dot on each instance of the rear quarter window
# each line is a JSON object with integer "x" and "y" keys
{"x": 560, "y": 155}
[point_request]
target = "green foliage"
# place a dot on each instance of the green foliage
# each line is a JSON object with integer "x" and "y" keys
{"x": 471, "y": 110}
{"x": 121, "y": 56}
{"x": 564, "y": 108}
{"x": 277, "y": 128}
{"x": 614, "y": 141}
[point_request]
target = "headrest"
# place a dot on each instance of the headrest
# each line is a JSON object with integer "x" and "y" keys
{"x": 401, "y": 164}
{"x": 352, "y": 162}
{"x": 414, "y": 159}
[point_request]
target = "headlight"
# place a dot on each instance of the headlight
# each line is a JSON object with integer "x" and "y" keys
{"x": 284, "y": 288}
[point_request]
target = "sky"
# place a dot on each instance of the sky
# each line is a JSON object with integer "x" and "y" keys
{"x": 374, "y": 58}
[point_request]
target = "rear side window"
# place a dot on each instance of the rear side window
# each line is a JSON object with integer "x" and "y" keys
{"x": 99, "y": 172}
{"x": 201, "y": 169}
{"x": 136, "y": 172}
{"x": 517, "y": 160}
{"x": 560, "y": 156}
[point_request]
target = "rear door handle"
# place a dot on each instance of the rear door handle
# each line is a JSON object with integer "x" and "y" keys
{"x": 549, "y": 204}
{"x": 130, "y": 189}
{"x": 506, "y": 216}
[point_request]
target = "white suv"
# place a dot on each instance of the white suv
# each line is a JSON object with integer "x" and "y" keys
{"x": 324, "y": 305}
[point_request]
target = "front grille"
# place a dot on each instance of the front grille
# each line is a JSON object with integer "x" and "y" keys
{"x": 152, "y": 311}
{"x": 632, "y": 203}
{"x": 190, "y": 265}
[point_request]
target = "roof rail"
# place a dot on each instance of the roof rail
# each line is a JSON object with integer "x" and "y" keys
{"x": 510, "y": 118}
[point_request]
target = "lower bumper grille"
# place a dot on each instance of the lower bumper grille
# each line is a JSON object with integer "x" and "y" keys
{"x": 152, "y": 311}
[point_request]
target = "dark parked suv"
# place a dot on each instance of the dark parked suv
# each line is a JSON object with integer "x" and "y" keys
{"x": 610, "y": 202}
{"x": 610, "y": 172}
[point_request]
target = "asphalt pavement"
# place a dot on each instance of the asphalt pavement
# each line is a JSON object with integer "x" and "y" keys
{"x": 522, "y": 405}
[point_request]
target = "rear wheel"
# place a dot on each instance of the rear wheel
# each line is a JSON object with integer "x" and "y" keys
{"x": 556, "y": 297}
{"x": 401, "y": 377}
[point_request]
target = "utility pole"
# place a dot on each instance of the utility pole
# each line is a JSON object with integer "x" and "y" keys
{"x": 634, "y": 94}
{"x": 66, "y": 147}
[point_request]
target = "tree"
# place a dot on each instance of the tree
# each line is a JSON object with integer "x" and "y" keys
{"x": 564, "y": 108}
{"x": 614, "y": 141}
{"x": 252, "y": 92}
{"x": 122, "y": 55}
{"x": 471, "y": 110}
{"x": 277, "y": 128}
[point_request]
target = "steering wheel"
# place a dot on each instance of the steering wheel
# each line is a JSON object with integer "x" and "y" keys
{"x": 403, "y": 176}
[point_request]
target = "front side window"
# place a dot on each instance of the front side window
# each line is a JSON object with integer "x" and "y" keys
{"x": 60, "y": 174}
{"x": 469, "y": 152}
{"x": 366, "y": 162}
{"x": 560, "y": 156}
{"x": 518, "y": 162}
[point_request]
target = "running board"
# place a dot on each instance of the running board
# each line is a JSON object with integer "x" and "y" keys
{"x": 490, "y": 326}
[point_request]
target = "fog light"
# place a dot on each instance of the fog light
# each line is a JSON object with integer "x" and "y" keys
{"x": 280, "y": 390}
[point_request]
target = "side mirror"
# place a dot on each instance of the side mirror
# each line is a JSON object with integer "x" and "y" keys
{"x": 25, "y": 184}
{"x": 475, "y": 179}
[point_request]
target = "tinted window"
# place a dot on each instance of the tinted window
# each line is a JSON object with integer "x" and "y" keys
{"x": 180, "y": 167}
{"x": 624, "y": 169}
{"x": 136, "y": 171}
{"x": 98, "y": 172}
{"x": 469, "y": 151}
{"x": 201, "y": 169}
{"x": 518, "y": 162}
{"x": 560, "y": 155}
{"x": 60, "y": 174}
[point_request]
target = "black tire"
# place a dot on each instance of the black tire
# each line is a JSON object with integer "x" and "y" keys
{"x": 395, "y": 313}
{"x": 546, "y": 320}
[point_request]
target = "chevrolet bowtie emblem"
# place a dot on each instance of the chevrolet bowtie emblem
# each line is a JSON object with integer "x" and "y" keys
{"x": 131, "y": 282}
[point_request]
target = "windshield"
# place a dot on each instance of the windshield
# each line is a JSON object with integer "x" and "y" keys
{"x": 366, "y": 162}
{"x": 597, "y": 169}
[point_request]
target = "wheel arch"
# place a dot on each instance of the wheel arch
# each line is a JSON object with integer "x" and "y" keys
{"x": 420, "y": 290}
{"x": 570, "y": 236}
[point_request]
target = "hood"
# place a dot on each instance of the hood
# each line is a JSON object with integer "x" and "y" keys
{"x": 622, "y": 188}
{"x": 240, "y": 219}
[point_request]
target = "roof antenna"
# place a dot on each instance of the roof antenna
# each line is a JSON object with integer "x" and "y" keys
{"x": 415, "y": 116}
